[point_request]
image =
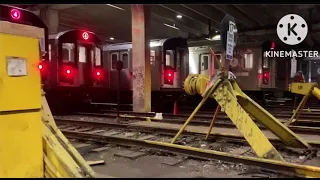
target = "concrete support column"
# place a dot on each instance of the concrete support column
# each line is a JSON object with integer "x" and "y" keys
{"x": 51, "y": 19}
{"x": 141, "y": 58}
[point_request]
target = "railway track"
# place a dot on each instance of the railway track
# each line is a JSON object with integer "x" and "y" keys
{"x": 201, "y": 118}
{"x": 216, "y": 148}
{"x": 129, "y": 124}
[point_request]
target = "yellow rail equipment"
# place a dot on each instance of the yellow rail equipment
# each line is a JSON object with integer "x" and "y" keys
{"x": 306, "y": 89}
{"x": 31, "y": 145}
{"x": 238, "y": 106}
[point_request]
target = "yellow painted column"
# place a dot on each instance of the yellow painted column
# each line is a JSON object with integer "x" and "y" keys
{"x": 141, "y": 58}
{"x": 21, "y": 153}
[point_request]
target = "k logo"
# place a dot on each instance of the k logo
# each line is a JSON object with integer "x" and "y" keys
{"x": 292, "y": 29}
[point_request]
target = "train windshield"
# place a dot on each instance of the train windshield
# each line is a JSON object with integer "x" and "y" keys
{"x": 68, "y": 52}
{"x": 89, "y": 53}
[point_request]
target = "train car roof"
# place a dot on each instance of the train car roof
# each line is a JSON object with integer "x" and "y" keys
{"x": 74, "y": 34}
{"x": 153, "y": 43}
{"x": 56, "y": 36}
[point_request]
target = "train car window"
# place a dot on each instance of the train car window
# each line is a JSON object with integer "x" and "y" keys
{"x": 125, "y": 60}
{"x": 114, "y": 59}
{"x": 204, "y": 62}
{"x": 152, "y": 58}
{"x": 248, "y": 60}
{"x": 265, "y": 62}
{"x": 98, "y": 57}
{"x": 82, "y": 54}
{"x": 42, "y": 42}
{"x": 170, "y": 58}
{"x": 49, "y": 53}
{"x": 68, "y": 52}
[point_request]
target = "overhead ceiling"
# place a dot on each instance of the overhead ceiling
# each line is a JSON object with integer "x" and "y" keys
{"x": 255, "y": 23}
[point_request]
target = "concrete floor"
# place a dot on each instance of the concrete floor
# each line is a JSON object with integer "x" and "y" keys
{"x": 151, "y": 166}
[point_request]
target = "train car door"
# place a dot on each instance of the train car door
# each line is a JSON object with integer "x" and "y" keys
{"x": 205, "y": 64}
{"x": 315, "y": 71}
{"x": 282, "y": 73}
{"x": 183, "y": 64}
{"x": 114, "y": 57}
{"x": 125, "y": 72}
{"x": 178, "y": 71}
{"x": 304, "y": 67}
{"x": 66, "y": 64}
{"x": 85, "y": 59}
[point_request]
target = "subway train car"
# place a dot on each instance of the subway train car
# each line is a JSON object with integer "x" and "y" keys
{"x": 169, "y": 68}
{"x": 258, "y": 76}
{"x": 74, "y": 67}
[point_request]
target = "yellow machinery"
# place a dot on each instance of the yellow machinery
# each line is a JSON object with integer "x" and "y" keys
{"x": 305, "y": 89}
{"x": 31, "y": 145}
{"x": 240, "y": 108}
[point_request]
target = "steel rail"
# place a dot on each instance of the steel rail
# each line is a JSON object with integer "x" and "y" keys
{"x": 165, "y": 130}
{"x": 206, "y": 121}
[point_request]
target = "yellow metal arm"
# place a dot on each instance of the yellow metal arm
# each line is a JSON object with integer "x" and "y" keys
{"x": 238, "y": 106}
{"x": 305, "y": 89}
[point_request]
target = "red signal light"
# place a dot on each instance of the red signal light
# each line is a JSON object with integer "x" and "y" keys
{"x": 273, "y": 45}
{"x": 85, "y": 35}
{"x": 15, "y": 14}
{"x": 266, "y": 76}
{"x": 40, "y": 66}
{"x": 68, "y": 71}
{"x": 169, "y": 77}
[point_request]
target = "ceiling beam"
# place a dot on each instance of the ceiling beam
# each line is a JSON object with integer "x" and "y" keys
{"x": 185, "y": 12}
{"x": 171, "y": 17}
{"x": 76, "y": 23}
{"x": 206, "y": 11}
{"x": 161, "y": 15}
{"x": 252, "y": 13}
{"x": 238, "y": 15}
{"x": 163, "y": 20}
{"x": 64, "y": 6}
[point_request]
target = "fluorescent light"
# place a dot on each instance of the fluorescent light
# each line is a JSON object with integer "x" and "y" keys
{"x": 179, "y": 16}
{"x": 115, "y": 7}
{"x": 214, "y": 38}
{"x": 112, "y": 38}
{"x": 154, "y": 44}
{"x": 171, "y": 26}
